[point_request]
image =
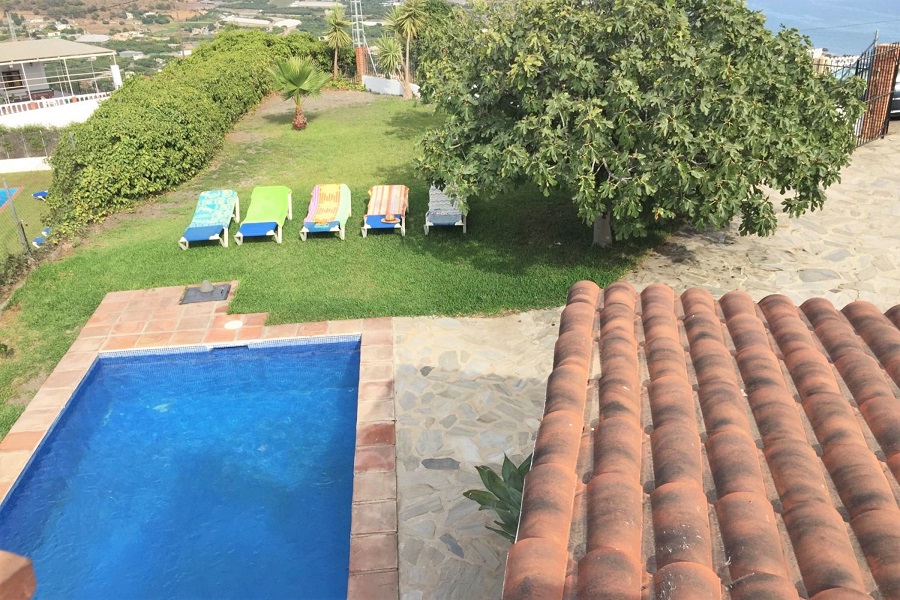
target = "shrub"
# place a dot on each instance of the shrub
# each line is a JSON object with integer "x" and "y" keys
{"x": 11, "y": 268}
{"x": 156, "y": 132}
{"x": 503, "y": 495}
{"x": 343, "y": 84}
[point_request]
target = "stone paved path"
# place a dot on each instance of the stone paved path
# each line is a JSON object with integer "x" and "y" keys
{"x": 850, "y": 250}
{"x": 467, "y": 390}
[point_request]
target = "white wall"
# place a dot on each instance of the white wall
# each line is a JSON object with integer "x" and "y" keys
{"x": 391, "y": 87}
{"x": 52, "y": 116}
{"x": 21, "y": 165}
{"x": 34, "y": 73}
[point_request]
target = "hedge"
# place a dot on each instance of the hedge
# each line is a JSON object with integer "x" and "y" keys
{"x": 157, "y": 132}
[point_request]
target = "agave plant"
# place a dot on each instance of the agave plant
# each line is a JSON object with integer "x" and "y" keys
{"x": 503, "y": 495}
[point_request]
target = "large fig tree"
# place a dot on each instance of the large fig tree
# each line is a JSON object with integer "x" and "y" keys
{"x": 648, "y": 112}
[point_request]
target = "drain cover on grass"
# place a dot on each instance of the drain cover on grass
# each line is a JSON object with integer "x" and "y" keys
{"x": 196, "y": 294}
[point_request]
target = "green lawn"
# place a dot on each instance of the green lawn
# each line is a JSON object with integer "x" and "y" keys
{"x": 522, "y": 251}
{"x": 28, "y": 209}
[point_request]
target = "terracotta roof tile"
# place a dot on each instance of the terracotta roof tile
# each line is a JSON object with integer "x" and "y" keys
{"x": 763, "y": 586}
{"x": 724, "y": 449}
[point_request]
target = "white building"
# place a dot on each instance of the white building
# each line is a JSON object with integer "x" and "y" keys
{"x": 287, "y": 23}
{"x": 53, "y": 82}
{"x": 92, "y": 38}
{"x": 314, "y": 4}
{"x": 246, "y": 22}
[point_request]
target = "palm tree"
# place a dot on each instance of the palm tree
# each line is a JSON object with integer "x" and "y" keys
{"x": 335, "y": 35}
{"x": 407, "y": 21}
{"x": 296, "y": 78}
{"x": 390, "y": 54}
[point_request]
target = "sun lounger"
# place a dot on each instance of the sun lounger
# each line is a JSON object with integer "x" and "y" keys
{"x": 42, "y": 195}
{"x": 387, "y": 208}
{"x": 270, "y": 205}
{"x": 329, "y": 209}
{"x": 214, "y": 212}
{"x": 39, "y": 240}
{"x": 443, "y": 211}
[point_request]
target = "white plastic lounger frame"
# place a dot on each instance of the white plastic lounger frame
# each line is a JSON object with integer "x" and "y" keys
{"x": 223, "y": 239}
{"x": 277, "y": 232}
{"x": 460, "y": 223}
{"x": 340, "y": 231}
{"x": 444, "y": 211}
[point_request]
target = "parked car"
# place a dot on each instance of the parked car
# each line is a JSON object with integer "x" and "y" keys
{"x": 895, "y": 100}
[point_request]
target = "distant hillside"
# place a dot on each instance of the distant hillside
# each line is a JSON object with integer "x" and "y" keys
{"x": 79, "y": 9}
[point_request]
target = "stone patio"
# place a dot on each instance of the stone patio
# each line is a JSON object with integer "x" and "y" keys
{"x": 466, "y": 391}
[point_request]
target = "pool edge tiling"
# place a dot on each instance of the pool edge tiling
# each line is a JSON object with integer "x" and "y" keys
{"x": 146, "y": 319}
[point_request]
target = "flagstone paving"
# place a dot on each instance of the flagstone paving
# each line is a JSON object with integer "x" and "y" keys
{"x": 848, "y": 251}
{"x": 465, "y": 392}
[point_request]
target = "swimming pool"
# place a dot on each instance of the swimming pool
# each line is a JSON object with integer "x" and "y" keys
{"x": 209, "y": 473}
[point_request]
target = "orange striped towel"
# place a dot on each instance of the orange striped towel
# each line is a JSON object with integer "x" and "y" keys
{"x": 388, "y": 200}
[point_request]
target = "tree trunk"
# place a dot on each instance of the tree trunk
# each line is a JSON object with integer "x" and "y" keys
{"x": 602, "y": 231}
{"x": 334, "y": 71}
{"x": 407, "y": 91}
{"x": 299, "y": 119}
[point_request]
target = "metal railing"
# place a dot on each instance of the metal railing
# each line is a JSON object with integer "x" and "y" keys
{"x": 877, "y": 65}
{"x": 24, "y": 106}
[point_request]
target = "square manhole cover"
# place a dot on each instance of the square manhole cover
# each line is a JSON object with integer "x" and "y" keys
{"x": 195, "y": 294}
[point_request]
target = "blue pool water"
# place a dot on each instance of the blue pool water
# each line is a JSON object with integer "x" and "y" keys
{"x": 224, "y": 473}
{"x": 4, "y": 196}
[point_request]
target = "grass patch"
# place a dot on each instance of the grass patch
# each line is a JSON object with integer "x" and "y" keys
{"x": 29, "y": 209}
{"x": 522, "y": 251}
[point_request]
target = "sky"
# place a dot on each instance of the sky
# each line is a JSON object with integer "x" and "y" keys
{"x": 842, "y": 26}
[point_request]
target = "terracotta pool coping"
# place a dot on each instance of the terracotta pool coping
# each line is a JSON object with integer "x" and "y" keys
{"x": 154, "y": 318}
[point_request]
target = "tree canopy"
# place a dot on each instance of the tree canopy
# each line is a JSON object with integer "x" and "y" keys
{"x": 336, "y": 35}
{"x": 407, "y": 21}
{"x": 650, "y": 112}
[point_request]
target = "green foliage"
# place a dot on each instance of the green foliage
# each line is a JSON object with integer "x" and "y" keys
{"x": 28, "y": 140}
{"x": 147, "y": 46}
{"x": 503, "y": 495}
{"x": 390, "y": 54}
{"x": 653, "y": 112}
{"x": 12, "y": 267}
{"x": 155, "y": 133}
{"x": 296, "y": 78}
{"x": 343, "y": 84}
{"x": 336, "y": 35}
{"x": 407, "y": 21}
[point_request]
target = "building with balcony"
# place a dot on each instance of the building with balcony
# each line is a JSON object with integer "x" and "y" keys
{"x": 54, "y": 82}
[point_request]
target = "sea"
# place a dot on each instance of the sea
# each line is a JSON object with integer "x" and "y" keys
{"x": 840, "y": 26}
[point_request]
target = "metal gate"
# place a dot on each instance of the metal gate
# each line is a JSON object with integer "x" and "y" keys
{"x": 878, "y": 66}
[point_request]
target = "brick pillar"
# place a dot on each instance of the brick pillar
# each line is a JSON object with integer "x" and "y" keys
{"x": 362, "y": 63}
{"x": 881, "y": 84}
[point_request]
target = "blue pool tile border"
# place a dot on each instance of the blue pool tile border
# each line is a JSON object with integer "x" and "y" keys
{"x": 274, "y": 343}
